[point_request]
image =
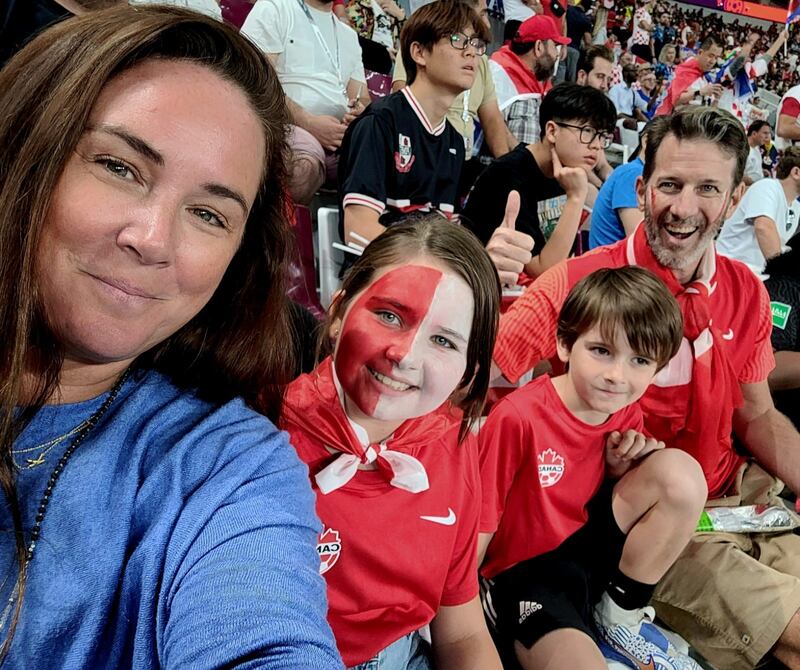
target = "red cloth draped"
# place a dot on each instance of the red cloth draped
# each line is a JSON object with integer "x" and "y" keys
{"x": 519, "y": 72}
{"x": 685, "y": 75}
{"x": 312, "y": 405}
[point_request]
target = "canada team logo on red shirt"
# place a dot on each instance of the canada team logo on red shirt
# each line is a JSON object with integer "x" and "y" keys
{"x": 329, "y": 547}
{"x": 551, "y": 468}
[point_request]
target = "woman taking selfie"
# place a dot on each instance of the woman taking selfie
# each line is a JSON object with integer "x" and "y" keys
{"x": 152, "y": 517}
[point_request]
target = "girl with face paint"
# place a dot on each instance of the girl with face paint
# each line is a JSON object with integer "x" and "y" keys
{"x": 384, "y": 425}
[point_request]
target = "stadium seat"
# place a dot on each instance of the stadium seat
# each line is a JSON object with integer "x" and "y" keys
{"x": 330, "y": 258}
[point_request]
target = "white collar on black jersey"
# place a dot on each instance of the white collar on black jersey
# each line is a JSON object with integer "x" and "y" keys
{"x": 438, "y": 130}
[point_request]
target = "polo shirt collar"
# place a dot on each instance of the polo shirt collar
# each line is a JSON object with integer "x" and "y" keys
{"x": 438, "y": 130}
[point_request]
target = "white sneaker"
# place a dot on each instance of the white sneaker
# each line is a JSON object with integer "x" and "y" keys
{"x": 630, "y": 637}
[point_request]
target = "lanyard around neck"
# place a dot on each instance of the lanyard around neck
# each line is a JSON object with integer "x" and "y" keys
{"x": 334, "y": 62}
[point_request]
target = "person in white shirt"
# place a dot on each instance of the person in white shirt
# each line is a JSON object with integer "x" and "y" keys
{"x": 208, "y": 7}
{"x": 758, "y": 134}
{"x": 318, "y": 61}
{"x": 766, "y": 217}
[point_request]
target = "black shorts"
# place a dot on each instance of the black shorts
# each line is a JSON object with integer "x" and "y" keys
{"x": 558, "y": 589}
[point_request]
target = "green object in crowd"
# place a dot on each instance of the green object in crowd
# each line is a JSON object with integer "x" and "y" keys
{"x": 705, "y": 525}
{"x": 780, "y": 314}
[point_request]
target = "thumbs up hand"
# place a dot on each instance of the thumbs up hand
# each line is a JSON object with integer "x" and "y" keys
{"x": 510, "y": 249}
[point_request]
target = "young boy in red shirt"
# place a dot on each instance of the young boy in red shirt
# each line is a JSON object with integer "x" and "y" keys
{"x": 582, "y": 514}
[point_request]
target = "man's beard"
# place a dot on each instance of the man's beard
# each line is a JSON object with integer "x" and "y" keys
{"x": 544, "y": 68}
{"x": 680, "y": 258}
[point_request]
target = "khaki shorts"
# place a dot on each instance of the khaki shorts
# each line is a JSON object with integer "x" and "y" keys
{"x": 732, "y": 595}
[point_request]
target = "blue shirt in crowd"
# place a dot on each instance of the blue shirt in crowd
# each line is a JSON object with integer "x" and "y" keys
{"x": 181, "y": 534}
{"x": 618, "y": 192}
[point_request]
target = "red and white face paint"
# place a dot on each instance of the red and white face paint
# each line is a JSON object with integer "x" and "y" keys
{"x": 403, "y": 344}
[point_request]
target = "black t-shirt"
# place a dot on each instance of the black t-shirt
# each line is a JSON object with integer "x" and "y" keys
{"x": 516, "y": 171}
{"x": 783, "y": 287}
{"x": 22, "y": 20}
{"x": 393, "y": 161}
{"x": 784, "y": 294}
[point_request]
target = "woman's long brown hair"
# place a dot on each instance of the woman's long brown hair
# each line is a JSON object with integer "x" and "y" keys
{"x": 238, "y": 344}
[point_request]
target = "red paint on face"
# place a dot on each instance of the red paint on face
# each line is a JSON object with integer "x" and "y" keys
{"x": 379, "y": 329}
{"x": 722, "y": 209}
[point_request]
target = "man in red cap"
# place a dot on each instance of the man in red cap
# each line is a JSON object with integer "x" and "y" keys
{"x": 522, "y": 71}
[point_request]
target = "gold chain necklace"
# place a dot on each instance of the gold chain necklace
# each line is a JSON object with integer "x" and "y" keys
{"x": 44, "y": 448}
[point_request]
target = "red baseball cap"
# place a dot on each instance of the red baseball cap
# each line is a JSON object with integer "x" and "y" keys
{"x": 538, "y": 28}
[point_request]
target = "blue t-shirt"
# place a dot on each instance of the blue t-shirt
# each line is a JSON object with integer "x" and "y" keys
{"x": 181, "y": 534}
{"x": 618, "y": 192}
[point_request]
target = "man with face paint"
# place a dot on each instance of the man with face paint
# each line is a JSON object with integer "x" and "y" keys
{"x": 716, "y": 385}
{"x": 523, "y": 71}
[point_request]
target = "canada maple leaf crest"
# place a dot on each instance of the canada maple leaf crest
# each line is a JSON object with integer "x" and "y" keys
{"x": 551, "y": 467}
{"x": 329, "y": 547}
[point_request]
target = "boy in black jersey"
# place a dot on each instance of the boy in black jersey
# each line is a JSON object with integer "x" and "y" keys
{"x": 402, "y": 155}
{"x": 577, "y": 122}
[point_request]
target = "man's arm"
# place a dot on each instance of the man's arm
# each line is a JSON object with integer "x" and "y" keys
{"x": 767, "y": 236}
{"x": 460, "y": 639}
{"x": 768, "y": 435}
{"x": 630, "y": 217}
{"x": 786, "y": 374}
{"x": 788, "y": 128}
{"x": 361, "y": 221}
{"x": 706, "y": 90}
{"x": 328, "y": 130}
{"x": 357, "y": 91}
{"x": 494, "y": 128}
{"x": 357, "y": 100}
{"x": 483, "y": 544}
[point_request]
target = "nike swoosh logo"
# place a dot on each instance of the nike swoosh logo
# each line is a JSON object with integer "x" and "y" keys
{"x": 728, "y": 335}
{"x": 448, "y": 520}
{"x": 650, "y": 665}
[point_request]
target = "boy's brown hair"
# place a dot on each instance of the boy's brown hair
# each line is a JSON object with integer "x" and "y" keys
{"x": 432, "y": 22}
{"x": 630, "y": 298}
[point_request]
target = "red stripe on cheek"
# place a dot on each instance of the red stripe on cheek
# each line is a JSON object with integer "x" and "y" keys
{"x": 367, "y": 341}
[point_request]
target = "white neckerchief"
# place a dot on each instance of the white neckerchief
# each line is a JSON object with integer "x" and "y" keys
{"x": 408, "y": 472}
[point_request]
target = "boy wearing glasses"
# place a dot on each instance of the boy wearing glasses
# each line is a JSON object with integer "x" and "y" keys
{"x": 402, "y": 155}
{"x": 577, "y": 122}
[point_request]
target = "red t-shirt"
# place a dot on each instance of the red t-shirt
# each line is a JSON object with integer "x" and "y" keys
{"x": 540, "y": 466}
{"x": 739, "y": 308}
{"x": 388, "y": 567}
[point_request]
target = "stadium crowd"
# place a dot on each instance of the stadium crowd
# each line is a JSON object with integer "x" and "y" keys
{"x": 545, "y": 417}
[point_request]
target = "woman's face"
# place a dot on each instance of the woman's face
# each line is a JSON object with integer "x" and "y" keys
{"x": 149, "y": 210}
